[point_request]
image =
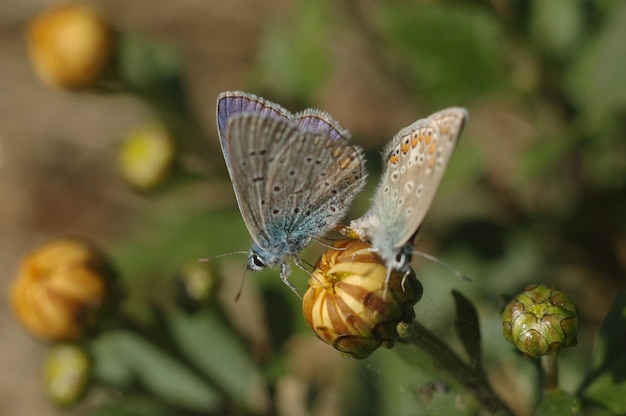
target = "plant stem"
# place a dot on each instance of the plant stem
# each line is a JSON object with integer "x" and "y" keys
{"x": 473, "y": 379}
{"x": 550, "y": 372}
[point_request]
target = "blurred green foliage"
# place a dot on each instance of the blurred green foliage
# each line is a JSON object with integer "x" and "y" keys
{"x": 545, "y": 203}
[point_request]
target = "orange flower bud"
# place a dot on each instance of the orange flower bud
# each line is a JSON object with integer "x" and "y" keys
{"x": 346, "y": 305}
{"x": 61, "y": 290}
{"x": 69, "y": 46}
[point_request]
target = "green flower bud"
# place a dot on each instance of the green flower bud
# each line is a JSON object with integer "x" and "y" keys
{"x": 345, "y": 303}
{"x": 66, "y": 374}
{"x": 540, "y": 321}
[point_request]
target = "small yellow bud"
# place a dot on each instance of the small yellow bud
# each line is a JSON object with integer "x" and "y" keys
{"x": 61, "y": 290}
{"x": 345, "y": 303}
{"x": 69, "y": 46}
{"x": 67, "y": 371}
{"x": 146, "y": 156}
{"x": 197, "y": 286}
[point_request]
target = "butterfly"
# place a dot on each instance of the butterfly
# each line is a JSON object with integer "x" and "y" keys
{"x": 414, "y": 163}
{"x": 294, "y": 176}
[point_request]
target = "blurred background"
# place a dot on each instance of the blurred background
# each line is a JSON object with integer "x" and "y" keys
{"x": 535, "y": 192}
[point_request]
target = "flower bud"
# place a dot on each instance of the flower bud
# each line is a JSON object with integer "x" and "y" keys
{"x": 67, "y": 371}
{"x": 540, "y": 321}
{"x": 69, "y": 46}
{"x": 61, "y": 290}
{"x": 197, "y": 285}
{"x": 146, "y": 156}
{"x": 347, "y": 304}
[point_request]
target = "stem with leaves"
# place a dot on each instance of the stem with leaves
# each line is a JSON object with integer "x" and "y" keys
{"x": 472, "y": 378}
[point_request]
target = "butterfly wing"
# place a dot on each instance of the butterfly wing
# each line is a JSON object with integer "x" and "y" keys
{"x": 415, "y": 161}
{"x": 318, "y": 121}
{"x": 230, "y": 103}
{"x": 291, "y": 184}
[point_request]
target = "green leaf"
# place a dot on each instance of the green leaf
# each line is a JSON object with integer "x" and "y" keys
{"x": 467, "y": 327}
{"x": 606, "y": 383}
{"x": 153, "y": 71}
{"x": 294, "y": 59}
{"x": 558, "y": 403}
{"x": 214, "y": 348}
{"x": 144, "y": 63}
{"x": 125, "y": 359}
{"x": 128, "y": 407}
{"x": 448, "y": 53}
{"x": 596, "y": 81}
{"x": 556, "y": 25}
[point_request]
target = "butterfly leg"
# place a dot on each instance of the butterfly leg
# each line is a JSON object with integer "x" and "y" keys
{"x": 298, "y": 263}
{"x": 387, "y": 278}
{"x": 406, "y": 274}
{"x": 284, "y": 276}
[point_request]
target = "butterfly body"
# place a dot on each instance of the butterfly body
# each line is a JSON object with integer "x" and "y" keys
{"x": 294, "y": 176}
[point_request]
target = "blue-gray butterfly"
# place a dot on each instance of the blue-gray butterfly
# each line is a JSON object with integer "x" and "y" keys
{"x": 414, "y": 163}
{"x": 294, "y": 176}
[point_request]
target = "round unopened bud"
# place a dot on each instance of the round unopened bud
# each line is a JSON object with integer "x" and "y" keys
{"x": 67, "y": 371}
{"x": 196, "y": 286}
{"x": 61, "y": 290}
{"x": 540, "y": 321}
{"x": 69, "y": 46}
{"x": 347, "y": 304}
{"x": 146, "y": 156}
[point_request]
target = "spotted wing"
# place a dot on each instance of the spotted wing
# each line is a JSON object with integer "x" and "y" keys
{"x": 291, "y": 184}
{"x": 415, "y": 161}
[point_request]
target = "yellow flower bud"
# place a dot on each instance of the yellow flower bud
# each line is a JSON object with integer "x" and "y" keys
{"x": 69, "y": 46}
{"x": 197, "y": 285}
{"x": 346, "y": 305}
{"x": 146, "y": 156}
{"x": 61, "y": 290}
{"x": 67, "y": 371}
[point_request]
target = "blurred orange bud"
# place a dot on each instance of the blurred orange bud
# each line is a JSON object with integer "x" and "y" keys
{"x": 146, "y": 156}
{"x": 345, "y": 303}
{"x": 70, "y": 46}
{"x": 61, "y": 290}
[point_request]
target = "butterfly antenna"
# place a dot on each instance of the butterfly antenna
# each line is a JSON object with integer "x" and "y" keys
{"x": 445, "y": 265}
{"x": 206, "y": 259}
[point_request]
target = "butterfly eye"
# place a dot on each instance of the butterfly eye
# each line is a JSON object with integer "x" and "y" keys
{"x": 257, "y": 262}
